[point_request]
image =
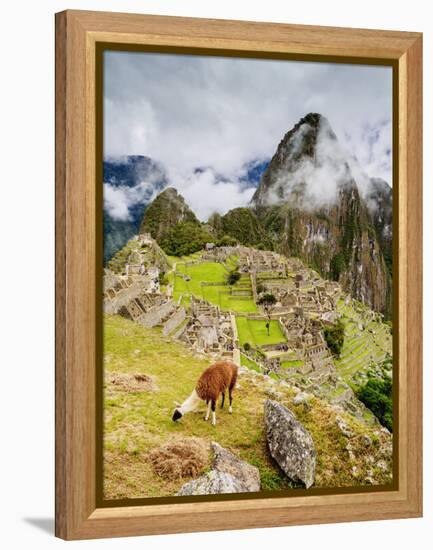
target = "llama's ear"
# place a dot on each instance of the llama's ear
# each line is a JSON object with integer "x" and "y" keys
{"x": 177, "y": 404}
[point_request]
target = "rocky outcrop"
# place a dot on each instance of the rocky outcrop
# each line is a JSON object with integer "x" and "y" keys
{"x": 290, "y": 444}
{"x": 228, "y": 474}
{"x": 225, "y": 461}
{"x": 212, "y": 483}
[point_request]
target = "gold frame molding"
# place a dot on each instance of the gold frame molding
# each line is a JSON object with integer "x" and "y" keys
{"x": 79, "y": 35}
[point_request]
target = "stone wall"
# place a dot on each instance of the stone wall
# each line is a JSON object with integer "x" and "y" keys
{"x": 174, "y": 321}
{"x": 122, "y": 298}
{"x": 157, "y": 315}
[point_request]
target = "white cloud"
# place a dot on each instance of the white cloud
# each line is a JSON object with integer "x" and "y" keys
{"x": 317, "y": 178}
{"x": 119, "y": 199}
{"x": 206, "y": 194}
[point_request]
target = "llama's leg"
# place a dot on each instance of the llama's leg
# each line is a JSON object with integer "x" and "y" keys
{"x": 222, "y": 399}
{"x": 213, "y": 412}
{"x": 208, "y": 410}
{"x": 230, "y": 400}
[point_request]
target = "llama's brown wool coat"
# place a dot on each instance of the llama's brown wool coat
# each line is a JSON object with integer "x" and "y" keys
{"x": 216, "y": 379}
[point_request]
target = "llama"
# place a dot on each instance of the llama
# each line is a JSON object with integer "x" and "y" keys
{"x": 215, "y": 380}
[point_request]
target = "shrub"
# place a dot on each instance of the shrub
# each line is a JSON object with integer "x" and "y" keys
{"x": 334, "y": 337}
{"x": 376, "y": 394}
{"x": 227, "y": 240}
{"x": 337, "y": 266}
{"x": 163, "y": 279}
{"x": 260, "y": 288}
{"x": 185, "y": 238}
{"x": 233, "y": 277}
{"x": 267, "y": 299}
{"x": 247, "y": 346}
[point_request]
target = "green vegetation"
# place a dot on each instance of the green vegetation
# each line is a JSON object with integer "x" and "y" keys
{"x": 337, "y": 266}
{"x": 367, "y": 342}
{"x": 185, "y": 238}
{"x": 233, "y": 277}
{"x": 267, "y": 301}
{"x": 376, "y": 394}
{"x": 136, "y": 422}
{"x": 295, "y": 363}
{"x": 226, "y": 240}
{"x": 243, "y": 225}
{"x": 255, "y": 332}
{"x": 271, "y": 478}
{"x": 118, "y": 261}
{"x": 163, "y": 279}
{"x": 217, "y": 293}
{"x": 247, "y": 362}
{"x": 334, "y": 337}
{"x": 164, "y": 212}
{"x": 260, "y": 288}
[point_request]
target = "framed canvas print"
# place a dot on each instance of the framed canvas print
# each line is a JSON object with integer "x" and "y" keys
{"x": 238, "y": 274}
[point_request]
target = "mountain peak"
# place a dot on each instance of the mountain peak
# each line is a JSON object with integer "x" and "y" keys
{"x": 170, "y": 192}
{"x": 314, "y": 119}
{"x": 308, "y": 168}
{"x": 166, "y": 210}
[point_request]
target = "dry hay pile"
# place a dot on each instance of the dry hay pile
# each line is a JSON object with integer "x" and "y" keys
{"x": 180, "y": 458}
{"x": 131, "y": 382}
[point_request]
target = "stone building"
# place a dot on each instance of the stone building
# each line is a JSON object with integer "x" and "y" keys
{"x": 208, "y": 329}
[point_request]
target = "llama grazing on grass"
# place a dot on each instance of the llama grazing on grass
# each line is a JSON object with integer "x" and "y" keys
{"x": 215, "y": 380}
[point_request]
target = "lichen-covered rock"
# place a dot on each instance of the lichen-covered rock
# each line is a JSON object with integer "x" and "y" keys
{"x": 229, "y": 474}
{"x": 290, "y": 443}
{"x": 343, "y": 427}
{"x": 212, "y": 483}
{"x": 227, "y": 462}
{"x": 301, "y": 398}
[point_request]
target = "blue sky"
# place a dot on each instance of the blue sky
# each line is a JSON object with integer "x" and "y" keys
{"x": 222, "y": 113}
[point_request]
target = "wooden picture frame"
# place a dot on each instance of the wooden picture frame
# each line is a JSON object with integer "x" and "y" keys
{"x": 79, "y": 514}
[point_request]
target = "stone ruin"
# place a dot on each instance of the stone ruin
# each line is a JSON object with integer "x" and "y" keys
{"x": 208, "y": 329}
{"x": 221, "y": 253}
{"x": 131, "y": 297}
{"x": 263, "y": 261}
{"x": 306, "y": 337}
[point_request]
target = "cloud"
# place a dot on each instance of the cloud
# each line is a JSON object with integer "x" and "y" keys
{"x": 222, "y": 113}
{"x": 371, "y": 147}
{"x": 205, "y": 193}
{"x": 119, "y": 199}
{"x": 311, "y": 182}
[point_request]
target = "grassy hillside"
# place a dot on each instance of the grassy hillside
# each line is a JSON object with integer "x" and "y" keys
{"x": 138, "y": 418}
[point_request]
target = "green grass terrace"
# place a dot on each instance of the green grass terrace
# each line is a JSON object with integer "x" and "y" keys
{"x": 255, "y": 333}
{"x": 208, "y": 282}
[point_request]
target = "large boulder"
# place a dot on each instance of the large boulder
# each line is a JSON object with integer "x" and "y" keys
{"x": 290, "y": 443}
{"x": 229, "y": 474}
{"x": 227, "y": 462}
{"x": 212, "y": 483}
